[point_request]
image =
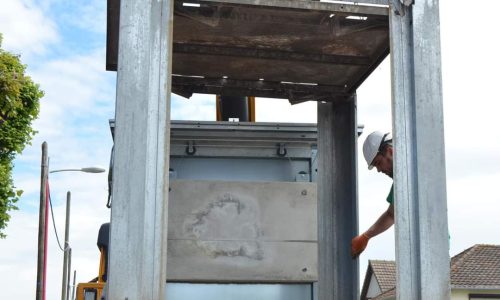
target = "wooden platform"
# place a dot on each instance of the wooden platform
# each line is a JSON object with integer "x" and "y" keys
{"x": 298, "y": 50}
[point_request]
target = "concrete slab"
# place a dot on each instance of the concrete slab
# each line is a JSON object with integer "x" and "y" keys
{"x": 242, "y": 231}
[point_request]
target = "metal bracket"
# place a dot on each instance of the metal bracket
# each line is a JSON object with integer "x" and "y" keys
{"x": 190, "y": 148}
{"x": 398, "y": 6}
{"x": 281, "y": 150}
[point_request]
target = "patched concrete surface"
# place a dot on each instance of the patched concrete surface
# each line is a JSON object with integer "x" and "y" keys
{"x": 242, "y": 231}
{"x": 223, "y": 220}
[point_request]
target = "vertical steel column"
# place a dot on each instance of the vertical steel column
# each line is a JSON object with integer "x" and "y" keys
{"x": 423, "y": 260}
{"x": 337, "y": 200}
{"x": 138, "y": 237}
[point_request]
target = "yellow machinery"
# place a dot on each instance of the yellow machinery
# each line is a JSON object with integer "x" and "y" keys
{"x": 93, "y": 290}
{"x": 241, "y": 108}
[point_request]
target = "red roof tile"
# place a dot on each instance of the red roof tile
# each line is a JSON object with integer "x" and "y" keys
{"x": 385, "y": 272}
{"x": 478, "y": 266}
{"x": 475, "y": 267}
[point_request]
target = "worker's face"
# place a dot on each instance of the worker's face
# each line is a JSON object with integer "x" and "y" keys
{"x": 383, "y": 161}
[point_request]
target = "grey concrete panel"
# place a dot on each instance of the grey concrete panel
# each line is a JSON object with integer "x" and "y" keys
{"x": 241, "y": 261}
{"x": 219, "y": 210}
{"x": 242, "y": 231}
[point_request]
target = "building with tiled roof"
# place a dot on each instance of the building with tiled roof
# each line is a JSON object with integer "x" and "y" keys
{"x": 478, "y": 266}
{"x": 380, "y": 277}
{"x": 475, "y": 275}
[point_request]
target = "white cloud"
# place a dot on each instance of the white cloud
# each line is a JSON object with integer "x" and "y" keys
{"x": 280, "y": 110}
{"x": 79, "y": 95}
{"x": 20, "y": 256}
{"x": 472, "y": 139}
{"x": 88, "y": 213}
{"x": 26, "y": 29}
{"x": 74, "y": 113}
{"x": 90, "y": 16}
{"x": 79, "y": 82}
{"x": 470, "y": 92}
{"x": 79, "y": 100}
{"x": 199, "y": 107}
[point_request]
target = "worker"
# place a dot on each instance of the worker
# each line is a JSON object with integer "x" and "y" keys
{"x": 378, "y": 152}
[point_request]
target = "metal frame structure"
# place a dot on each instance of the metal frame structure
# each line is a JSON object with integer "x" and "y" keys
{"x": 318, "y": 50}
{"x": 138, "y": 230}
{"x": 423, "y": 261}
{"x": 337, "y": 200}
{"x": 139, "y": 218}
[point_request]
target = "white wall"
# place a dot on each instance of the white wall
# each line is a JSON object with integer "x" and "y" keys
{"x": 373, "y": 289}
{"x": 457, "y": 294}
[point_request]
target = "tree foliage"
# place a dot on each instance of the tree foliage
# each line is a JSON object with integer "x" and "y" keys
{"x": 19, "y": 106}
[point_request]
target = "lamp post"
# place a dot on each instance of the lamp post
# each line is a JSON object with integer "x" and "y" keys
{"x": 43, "y": 225}
{"x": 85, "y": 170}
{"x": 67, "y": 249}
{"x": 41, "y": 270}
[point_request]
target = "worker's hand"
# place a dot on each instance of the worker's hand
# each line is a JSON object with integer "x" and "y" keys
{"x": 358, "y": 244}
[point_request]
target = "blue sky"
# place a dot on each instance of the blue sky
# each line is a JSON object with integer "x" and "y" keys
{"x": 63, "y": 44}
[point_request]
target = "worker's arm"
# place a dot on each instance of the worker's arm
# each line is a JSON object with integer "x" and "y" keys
{"x": 386, "y": 220}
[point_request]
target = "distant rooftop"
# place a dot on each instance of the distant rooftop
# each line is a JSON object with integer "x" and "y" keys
{"x": 477, "y": 267}
{"x": 385, "y": 273}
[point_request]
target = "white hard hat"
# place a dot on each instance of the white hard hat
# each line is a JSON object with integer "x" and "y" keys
{"x": 372, "y": 145}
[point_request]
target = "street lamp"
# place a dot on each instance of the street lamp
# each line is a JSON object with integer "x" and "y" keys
{"x": 67, "y": 249}
{"x": 43, "y": 225}
{"x": 85, "y": 170}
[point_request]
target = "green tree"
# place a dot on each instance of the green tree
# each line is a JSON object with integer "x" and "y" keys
{"x": 19, "y": 106}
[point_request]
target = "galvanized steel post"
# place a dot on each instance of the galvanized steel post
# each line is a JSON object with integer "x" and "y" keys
{"x": 423, "y": 270}
{"x": 138, "y": 235}
{"x": 337, "y": 200}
